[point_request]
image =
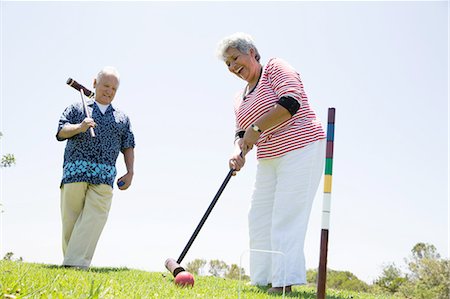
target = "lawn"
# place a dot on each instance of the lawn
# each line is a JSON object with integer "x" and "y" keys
{"x": 27, "y": 280}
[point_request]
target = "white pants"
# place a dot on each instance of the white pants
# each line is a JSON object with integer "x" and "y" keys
{"x": 84, "y": 211}
{"x": 281, "y": 204}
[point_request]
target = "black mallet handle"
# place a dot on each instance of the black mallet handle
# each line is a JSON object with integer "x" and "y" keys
{"x": 78, "y": 87}
{"x": 208, "y": 211}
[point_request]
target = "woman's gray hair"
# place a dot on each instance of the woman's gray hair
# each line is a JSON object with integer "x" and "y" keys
{"x": 240, "y": 41}
{"x": 108, "y": 70}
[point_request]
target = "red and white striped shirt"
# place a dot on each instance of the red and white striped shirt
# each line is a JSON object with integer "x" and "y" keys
{"x": 278, "y": 79}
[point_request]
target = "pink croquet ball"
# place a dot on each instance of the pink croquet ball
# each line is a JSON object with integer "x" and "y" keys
{"x": 184, "y": 279}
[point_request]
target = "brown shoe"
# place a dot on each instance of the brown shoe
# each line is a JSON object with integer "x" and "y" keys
{"x": 279, "y": 290}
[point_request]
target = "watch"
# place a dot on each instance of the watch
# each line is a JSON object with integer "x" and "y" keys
{"x": 256, "y": 128}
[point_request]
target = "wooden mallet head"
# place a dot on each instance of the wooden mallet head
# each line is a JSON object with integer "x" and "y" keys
{"x": 173, "y": 267}
{"x": 78, "y": 86}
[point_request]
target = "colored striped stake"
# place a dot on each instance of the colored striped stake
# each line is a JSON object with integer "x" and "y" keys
{"x": 322, "y": 273}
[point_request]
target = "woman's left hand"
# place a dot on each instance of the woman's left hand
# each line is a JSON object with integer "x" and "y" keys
{"x": 249, "y": 140}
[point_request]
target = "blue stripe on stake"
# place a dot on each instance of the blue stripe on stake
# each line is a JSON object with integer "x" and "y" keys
{"x": 330, "y": 132}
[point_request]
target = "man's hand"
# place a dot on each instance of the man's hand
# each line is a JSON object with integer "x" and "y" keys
{"x": 70, "y": 130}
{"x": 126, "y": 179}
{"x": 86, "y": 124}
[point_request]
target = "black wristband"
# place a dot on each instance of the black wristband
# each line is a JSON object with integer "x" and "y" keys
{"x": 291, "y": 104}
{"x": 239, "y": 134}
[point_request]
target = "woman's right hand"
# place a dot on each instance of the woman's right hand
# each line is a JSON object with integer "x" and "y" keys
{"x": 236, "y": 162}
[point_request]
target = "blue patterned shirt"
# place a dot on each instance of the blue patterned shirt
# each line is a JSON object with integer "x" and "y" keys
{"x": 93, "y": 159}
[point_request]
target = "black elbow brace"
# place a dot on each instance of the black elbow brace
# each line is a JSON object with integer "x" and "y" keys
{"x": 291, "y": 104}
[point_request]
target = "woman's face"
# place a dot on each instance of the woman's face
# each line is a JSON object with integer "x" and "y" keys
{"x": 243, "y": 65}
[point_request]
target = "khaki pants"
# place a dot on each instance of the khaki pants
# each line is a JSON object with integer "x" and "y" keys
{"x": 84, "y": 211}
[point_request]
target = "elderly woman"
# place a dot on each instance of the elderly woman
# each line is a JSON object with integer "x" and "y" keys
{"x": 273, "y": 113}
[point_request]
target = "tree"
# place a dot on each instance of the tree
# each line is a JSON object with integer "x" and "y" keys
{"x": 195, "y": 266}
{"x": 346, "y": 280}
{"x": 391, "y": 279}
{"x": 339, "y": 280}
{"x": 422, "y": 250}
{"x": 9, "y": 257}
{"x": 235, "y": 272}
{"x": 218, "y": 268}
{"x": 8, "y": 159}
{"x": 429, "y": 274}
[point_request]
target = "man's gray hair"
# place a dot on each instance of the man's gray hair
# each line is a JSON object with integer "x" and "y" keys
{"x": 108, "y": 70}
{"x": 240, "y": 41}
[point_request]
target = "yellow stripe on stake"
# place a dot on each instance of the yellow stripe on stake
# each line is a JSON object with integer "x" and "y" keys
{"x": 327, "y": 184}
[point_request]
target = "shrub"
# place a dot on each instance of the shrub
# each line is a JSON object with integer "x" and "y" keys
{"x": 339, "y": 280}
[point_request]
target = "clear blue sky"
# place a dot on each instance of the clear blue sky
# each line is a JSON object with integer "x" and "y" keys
{"x": 383, "y": 65}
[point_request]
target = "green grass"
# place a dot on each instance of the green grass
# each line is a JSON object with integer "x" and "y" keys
{"x": 26, "y": 280}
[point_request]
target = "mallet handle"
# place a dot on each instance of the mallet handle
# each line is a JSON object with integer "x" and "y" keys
{"x": 78, "y": 86}
{"x": 205, "y": 216}
{"x": 86, "y": 111}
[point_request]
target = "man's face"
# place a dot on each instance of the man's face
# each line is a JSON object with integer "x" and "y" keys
{"x": 105, "y": 88}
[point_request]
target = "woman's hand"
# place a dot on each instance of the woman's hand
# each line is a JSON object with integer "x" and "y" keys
{"x": 249, "y": 140}
{"x": 236, "y": 162}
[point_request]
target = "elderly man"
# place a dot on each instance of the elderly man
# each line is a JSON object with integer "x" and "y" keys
{"x": 89, "y": 167}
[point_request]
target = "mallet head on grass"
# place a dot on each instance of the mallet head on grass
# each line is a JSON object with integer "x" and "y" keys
{"x": 182, "y": 277}
{"x": 174, "y": 265}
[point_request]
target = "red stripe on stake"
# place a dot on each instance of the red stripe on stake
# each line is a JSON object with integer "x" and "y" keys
{"x": 331, "y": 115}
{"x": 329, "y": 149}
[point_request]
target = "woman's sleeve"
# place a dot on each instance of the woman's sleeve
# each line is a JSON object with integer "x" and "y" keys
{"x": 285, "y": 82}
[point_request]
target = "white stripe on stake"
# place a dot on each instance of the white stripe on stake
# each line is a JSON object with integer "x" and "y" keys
{"x": 326, "y": 208}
